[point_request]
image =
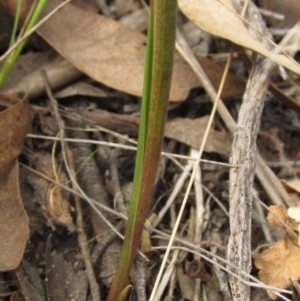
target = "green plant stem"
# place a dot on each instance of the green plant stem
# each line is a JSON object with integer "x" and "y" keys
{"x": 157, "y": 83}
{"x": 12, "y": 58}
{"x": 124, "y": 264}
{"x": 16, "y": 24}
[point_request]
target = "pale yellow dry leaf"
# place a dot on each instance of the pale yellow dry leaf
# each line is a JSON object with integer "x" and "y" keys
{"x": 279, "y": 265}
{"x": 294, "y": 213}
{"x": 219, "y": 18}
{"x": 293, "y": 185}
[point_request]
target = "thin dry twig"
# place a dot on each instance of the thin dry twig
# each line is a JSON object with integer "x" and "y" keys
{"x": 83, "y": 243}
{"x": 243, "y": 154}
{"x": 128, "y": 147}
{"x": 90, "y": 179}
{"x": 114, "y": 175}
{"x": 265, "y": 175}
{"x": 258, "y": 284}
{"x": 241, "y": 178}
{"x": 189, "y": 246}
{"x": 262, "y": 219}
{"x": 199, "y": 213}
{"x": 82, "y": 239}
{"x": 88, "y": 175}
{"x": 167, "y": 275}
{"x": 201, "y": 149}
{"x": 102, "y": 244}
{"x": 175, "y": 191}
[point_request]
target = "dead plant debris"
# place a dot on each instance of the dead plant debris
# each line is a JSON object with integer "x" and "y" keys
{"x": 62, "y": 212}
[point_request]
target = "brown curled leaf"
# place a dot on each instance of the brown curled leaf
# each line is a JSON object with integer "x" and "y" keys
{"x": 15, "y": 123}
{"x": 279, "y": 265}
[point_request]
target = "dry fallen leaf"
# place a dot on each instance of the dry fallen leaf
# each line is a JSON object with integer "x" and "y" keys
{"x": 14, "y": 230}
{"x": 291, "y": 185}
{"x": 83, "y": 88}
{"x": 26, "y": 76}
{"x": 219, "y": 18}
{"x": 279, "y": 218}
{"x": 280, "y": 264}
{"x": 106, "y": 50}
{"x": 114, "y": 54}
{"x": 234, "y": 85}
{"x": 218, "y": 142}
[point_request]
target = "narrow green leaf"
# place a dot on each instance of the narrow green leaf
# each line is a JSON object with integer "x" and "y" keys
{"x": 16, "y": 24}
{"x": 157, "y": 83}
{"x": 123, "y": 268}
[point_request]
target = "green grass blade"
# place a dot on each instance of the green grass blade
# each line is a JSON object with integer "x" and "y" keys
{"x": 164, "y": 34}
{"x": 153, "y": 116}
{"x": 16, "y": 24}
{"x": 12, "y": 58}
{"x": 123, "y": 268}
